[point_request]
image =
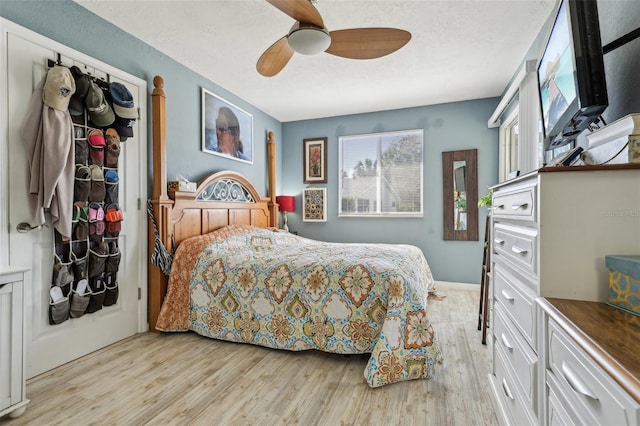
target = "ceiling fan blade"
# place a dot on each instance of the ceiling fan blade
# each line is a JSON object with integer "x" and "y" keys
{"x": 300, "y": 10}
{"x": 367, "y": 43}
{"x": 273, "y": 60}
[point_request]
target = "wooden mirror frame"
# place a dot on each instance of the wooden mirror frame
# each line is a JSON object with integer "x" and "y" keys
{"x": 470, "y": 156}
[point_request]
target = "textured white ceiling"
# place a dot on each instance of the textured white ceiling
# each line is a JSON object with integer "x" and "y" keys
{"x": 460, "y": 50}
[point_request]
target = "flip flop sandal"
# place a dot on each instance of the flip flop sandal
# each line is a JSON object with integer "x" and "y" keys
{"x": 111, "y": 176}
{"x": 113, "y": 214}
{"x": 113, "y": 229}
{"x": 112, "y": 149}
{"x": 96, "y": 232}
{"x": 96, "y": 212}
{"x": 96, "y": 146}
{"x": 98, "y": 190}
{"x": 96, "y": 138}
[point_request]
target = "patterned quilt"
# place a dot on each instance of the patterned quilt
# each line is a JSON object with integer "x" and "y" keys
{"x": 275, "y": 289}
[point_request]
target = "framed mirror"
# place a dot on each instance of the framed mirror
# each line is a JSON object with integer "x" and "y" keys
{"x": 460, "y": 194}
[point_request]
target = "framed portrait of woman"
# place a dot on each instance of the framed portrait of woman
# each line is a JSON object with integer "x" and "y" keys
{"x": 315, "y": 160}
{"x": 227, "y": 130}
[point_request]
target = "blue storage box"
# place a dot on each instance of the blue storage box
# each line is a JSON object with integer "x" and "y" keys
{"x": 624, "y": 282}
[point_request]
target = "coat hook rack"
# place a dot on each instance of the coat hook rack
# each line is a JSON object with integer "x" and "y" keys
{"x": 51, "y": 63}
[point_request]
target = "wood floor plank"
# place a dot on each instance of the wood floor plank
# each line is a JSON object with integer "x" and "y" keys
{"x": 185, "y": 379}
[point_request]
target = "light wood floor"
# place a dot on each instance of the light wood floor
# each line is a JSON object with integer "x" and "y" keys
{"x": 185, "y": 379}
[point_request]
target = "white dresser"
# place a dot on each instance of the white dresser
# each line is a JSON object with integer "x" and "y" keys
{"x": 551, "y": 230}
{"x": 13, "y": 399}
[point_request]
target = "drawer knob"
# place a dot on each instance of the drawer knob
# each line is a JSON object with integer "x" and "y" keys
{"x": 498, "y": 207}
{"x": 498, "y": 241}
{"x": 506, "y": 295}
{"x": 506, "y": 389}
{"x": 518, "y": 250}
{"x": 519, "y": 206}
{"x": 506, "y": 342}
{"x": 574, "y": 381}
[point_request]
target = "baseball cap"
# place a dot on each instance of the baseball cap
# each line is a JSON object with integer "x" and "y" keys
{"x": 100, "y": 112}
{"x": 58, "y": 88}
{"x": 76, "y": 104}
{"x": 122, "y": 99}
{"x": 124, "y": 127}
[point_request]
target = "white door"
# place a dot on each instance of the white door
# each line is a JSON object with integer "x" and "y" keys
{"x": 48, "y": 346}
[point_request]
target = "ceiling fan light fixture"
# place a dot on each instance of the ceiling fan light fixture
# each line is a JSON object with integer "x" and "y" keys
{"x": 308, "y": 39}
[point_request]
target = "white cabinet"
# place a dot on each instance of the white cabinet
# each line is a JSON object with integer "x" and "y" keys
{"x": 12, "y": 373}
{"x": 550, "y": 232}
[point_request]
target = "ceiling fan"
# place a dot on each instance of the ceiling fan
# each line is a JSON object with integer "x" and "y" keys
{"x": 309, "y": 36}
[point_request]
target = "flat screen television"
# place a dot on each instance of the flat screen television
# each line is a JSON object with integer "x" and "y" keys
{"x": 571, "y": 78}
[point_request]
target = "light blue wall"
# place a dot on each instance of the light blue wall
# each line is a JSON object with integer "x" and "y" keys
{"x": 447, "y": 127}
{"x": 72, "y": 25}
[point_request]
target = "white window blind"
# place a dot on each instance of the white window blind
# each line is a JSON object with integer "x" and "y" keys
{"x": 381, "y": 174}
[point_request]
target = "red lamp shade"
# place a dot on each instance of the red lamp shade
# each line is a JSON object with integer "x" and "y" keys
{"x": 287, "y": 203}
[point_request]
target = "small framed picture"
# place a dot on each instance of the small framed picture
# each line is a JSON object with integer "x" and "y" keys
{"x": 315, "y": 160}
{"x": 314, "y": 207}
{"x": 226, "y": 129}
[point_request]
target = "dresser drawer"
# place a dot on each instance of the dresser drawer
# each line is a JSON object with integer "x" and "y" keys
{"x": 522, "y": 360}
{"x": 517, "y": 244}
{"x": 515, "y": 203}
{"x": 509, "y": 396}
{"x": 596, "y": 397}
{"x": 518, "y": 301}
{"x": 558, "y": 410}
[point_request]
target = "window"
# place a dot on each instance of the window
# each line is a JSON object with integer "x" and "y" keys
{"x": 381, "y": 174}
{"x": 509, "y": 135}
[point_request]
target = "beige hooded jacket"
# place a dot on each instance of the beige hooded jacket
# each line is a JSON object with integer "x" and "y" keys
{"x": 48, "y": 137}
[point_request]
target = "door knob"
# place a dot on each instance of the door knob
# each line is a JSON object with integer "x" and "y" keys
{"x": 26, "y": 227}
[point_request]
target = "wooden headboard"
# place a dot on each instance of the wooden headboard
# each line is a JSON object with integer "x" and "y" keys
{"x": 222, "y": 198}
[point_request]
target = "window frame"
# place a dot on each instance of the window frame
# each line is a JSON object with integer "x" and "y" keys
{"x": 509, "y": 149}
{"x": 377, "y": 202}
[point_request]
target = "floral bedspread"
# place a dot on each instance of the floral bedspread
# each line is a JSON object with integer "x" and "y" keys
{"x": 275, "y": 289}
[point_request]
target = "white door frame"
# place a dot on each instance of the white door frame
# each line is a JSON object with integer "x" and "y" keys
{"x": 6, "y": 27}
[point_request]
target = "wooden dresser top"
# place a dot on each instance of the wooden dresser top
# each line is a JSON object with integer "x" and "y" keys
{"x": 609, "y": 335}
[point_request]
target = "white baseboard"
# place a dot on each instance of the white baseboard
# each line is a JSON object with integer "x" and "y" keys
{"x": 453, "y": 285}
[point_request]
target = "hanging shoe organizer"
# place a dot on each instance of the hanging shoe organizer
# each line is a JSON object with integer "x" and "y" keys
{"x": 85, "y": 275}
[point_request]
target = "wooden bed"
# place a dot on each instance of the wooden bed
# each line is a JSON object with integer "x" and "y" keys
{"x": 191, "y": 213}
{"x": 234, "y": 280}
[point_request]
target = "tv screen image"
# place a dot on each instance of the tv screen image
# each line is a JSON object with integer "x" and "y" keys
{"x": 558, "y": 84}
{"x": 571, "y": 79}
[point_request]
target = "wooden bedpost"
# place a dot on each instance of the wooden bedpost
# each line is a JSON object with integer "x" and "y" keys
{"x": 160, "y": 203}
{"x": 273, "y": 205}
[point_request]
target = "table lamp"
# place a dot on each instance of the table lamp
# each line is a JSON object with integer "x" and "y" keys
{"x": 287, "y": 204}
